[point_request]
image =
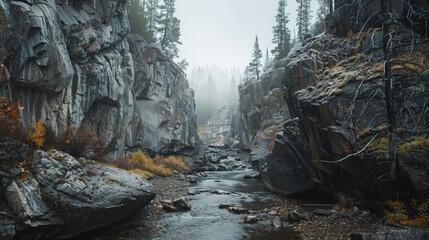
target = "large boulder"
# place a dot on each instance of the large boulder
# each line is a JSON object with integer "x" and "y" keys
{"x": 52, "y": 195}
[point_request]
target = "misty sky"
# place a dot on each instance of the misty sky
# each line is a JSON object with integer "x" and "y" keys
{"x": 222, "y": 32}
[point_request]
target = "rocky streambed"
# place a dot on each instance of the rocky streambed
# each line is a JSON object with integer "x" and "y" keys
{"x": 230, "y": 202}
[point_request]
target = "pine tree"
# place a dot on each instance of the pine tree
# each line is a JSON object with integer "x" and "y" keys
{"x": 255, "y": 65}
{"x": 169, "y": 29}
{"x": 303, "y": 18}
{"x": 152, "y": 14}
{"x": 281, "y": 34}
{"x": 325, "y": 7}
{"x": 267, "y": 63}
{"x": 136, "y": 16}
{"x": 246, "y": 74}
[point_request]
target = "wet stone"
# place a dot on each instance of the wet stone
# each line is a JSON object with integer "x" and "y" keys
{"x": 222, "y": 167}
{"x": 297, "y": 215}
{"x": 251, "y": 175}
{"x": 182, "y": 204}
{"x": 192, "y": 180}
{"x": 251, "y": 219}
{"x": 169, "y": 208}
{"x": 237, "y": 210}
{"x": 226, "y": 205}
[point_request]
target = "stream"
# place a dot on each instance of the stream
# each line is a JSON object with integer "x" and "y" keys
{"x": 206, "y": 220}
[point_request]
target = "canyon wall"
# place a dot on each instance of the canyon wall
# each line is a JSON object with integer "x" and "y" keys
{"x": 336, "y": 136}
{"x": 71, "y": 65}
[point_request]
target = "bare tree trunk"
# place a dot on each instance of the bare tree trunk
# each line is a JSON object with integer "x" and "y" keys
{"x": 388, "y": 88}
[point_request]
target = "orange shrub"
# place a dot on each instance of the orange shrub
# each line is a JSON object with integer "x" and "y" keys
{"x": 37, "y": 134}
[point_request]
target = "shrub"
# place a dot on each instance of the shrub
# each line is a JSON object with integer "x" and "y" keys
{"x": 142, "y": 164}
{"x": 172, "y": 162}
{"x": 37, "y": 134}
{"x": 143, "y": 173}
{"x": 142, "y": 160}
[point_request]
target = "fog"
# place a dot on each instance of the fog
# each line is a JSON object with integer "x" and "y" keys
{"x": 217, "y": 38}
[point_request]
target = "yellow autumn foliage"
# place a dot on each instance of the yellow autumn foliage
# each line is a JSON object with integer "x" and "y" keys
{"x": 37, "y": 134}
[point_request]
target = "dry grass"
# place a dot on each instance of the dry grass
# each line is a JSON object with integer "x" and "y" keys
{"x": 399, "y": 213}
{"x": 143, "y": 173}
{"x": 172, "y": 162}
{"x": 142, "y": 164}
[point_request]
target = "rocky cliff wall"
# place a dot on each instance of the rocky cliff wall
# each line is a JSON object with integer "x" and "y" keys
{"x": 260, "y": 107}
{"x": 341, "y": 119}
{"x": 70, "y": 65}
{"x": 334, "y": 89}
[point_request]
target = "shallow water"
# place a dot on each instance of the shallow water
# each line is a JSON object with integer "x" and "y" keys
{"x": 205, "y": 220}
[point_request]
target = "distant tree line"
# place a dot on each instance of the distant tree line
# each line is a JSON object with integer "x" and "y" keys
{"x": 214, "y": 87}
{"x": 155, "y": 21}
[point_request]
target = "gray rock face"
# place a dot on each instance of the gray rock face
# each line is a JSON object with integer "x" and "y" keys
{"x": 260, "y": 115}
{"x": 58, "y": 196}
{"x": 219, "y": 133}
{"x": 70, "y": 65}
{"x": 333, "y": 87}
{"x": 356, "y": 15}
{"x": 261, "y": 106}
{"x": 164, "y": 118}
{"x": 342, "y": 112}
{"x": 287, "y": 168}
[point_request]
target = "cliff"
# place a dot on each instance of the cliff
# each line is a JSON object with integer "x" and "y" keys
{"x": 70, "y": 64}
{"x": 333, "y": 86}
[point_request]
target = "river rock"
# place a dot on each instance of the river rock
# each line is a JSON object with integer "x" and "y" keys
{"x": 182, "y": 204}
{"x": 297, "y": 215}
{"x": 226, "y": 205}
{"x": 237, "y": 210}
{"x": 250, "y": 219}
{"x": 251, "y": 175}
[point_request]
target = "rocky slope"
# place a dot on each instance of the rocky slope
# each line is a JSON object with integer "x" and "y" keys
{"x": 333, "y": 88}
{"x": 70, "y": 65}
{"x": 53, "y": 195}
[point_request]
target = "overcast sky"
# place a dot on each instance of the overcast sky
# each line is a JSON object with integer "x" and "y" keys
{"x": 222, "y": 32}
